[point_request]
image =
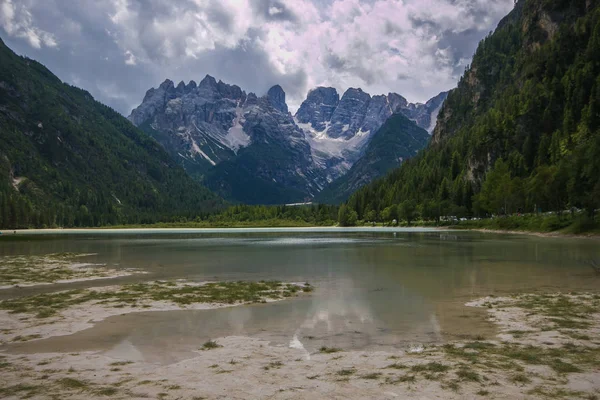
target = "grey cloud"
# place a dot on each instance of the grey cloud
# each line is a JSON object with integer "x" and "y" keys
{"x": 335, "y": 62}
{"x": 90, "y": 50}
{"x": 391, "y": 28}
{"x": 273, "y": 10}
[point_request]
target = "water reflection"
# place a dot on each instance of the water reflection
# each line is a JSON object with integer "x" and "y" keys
{"x": 374, "y": 290}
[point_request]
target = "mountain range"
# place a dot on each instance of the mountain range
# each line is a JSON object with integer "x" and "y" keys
{"x": 252, "y": 150}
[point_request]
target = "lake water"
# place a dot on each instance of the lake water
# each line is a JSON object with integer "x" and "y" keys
{"x": 376, "y": 289}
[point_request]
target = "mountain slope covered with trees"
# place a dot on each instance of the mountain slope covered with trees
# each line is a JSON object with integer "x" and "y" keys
{"x": 67, "y": 160}
{"x": 397, "y": 140}
{"x": 520, "y": 133}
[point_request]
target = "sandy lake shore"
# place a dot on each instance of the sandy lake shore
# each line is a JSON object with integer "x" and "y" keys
{"x": 547, "y": 346}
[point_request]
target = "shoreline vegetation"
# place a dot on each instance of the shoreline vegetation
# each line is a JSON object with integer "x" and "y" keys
{"x": 546, "y": 347}
{"x": 22, "y": 271}
{"x": 65, "y": 312}
{"x": 566, "y": 224}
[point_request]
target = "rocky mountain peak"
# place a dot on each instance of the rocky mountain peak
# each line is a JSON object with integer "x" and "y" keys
{"x": 349, "y": 114}
{"x": 167, "y": 84}
{"x": 318, "y": 107}
{"x": 208, "y": 82}
{"x": 276, "y": 97}
{"x": 203, "y": 125}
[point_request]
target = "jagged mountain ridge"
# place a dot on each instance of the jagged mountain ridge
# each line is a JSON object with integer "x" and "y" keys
{"x": 339, "y": 130}
{"x": 214, "y": 129}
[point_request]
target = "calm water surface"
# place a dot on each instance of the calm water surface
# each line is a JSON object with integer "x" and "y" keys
{"x": 376, "y": 289}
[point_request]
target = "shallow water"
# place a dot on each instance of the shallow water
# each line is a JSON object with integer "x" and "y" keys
{"x": 376, "y": 289}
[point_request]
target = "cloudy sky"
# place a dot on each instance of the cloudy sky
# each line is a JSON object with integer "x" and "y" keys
{"x": 117, "y": 49}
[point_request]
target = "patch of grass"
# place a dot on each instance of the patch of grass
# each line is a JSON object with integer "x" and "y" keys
{"x": 554, "y": 393}
{"x": 563, "y": 367}
{"x": 22, "y": 390}
{"x": 482, "y": 392}
{"x": 468, "y": 375}
{"x": 49, "y": 304}
{"x": 576, "y": 335}
{"x": 210, "y": 345}
{"x": 329, "y": 350}
{"x": 518, "y": 334}
{"x": 452, "y": 385}
{"x": 393, "y": 380}
{"x": 520, "y": 378}
{"x": 460, "y": 352}
{"x": 26, "y": 338}
{"x": 15, "y": 270}
{"x": 570, "y": 323}
{"x": 372, "y": 375}
{"x": 346, "y": 371}
{"x": 72, "y": 383}
{"x": 430, "y": 367}
{"x": 478, "y": 345}
{"x": 274, "y": 364}
{"x": 120, "y": 363}
{"x": 396, "y": 365}
{"x": 106, "y": 391}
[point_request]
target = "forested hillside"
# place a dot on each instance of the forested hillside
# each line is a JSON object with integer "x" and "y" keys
{"x": 397, "y": 140}
{"x": 521, "y": 133}
{"x": 67, "y": 160}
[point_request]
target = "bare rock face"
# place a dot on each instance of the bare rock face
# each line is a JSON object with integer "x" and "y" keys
{"x": 276, "y": 97}
{"x": 339, "y": 130}
{"x": 318, "y": 107}
{"x": 219, "y": 133}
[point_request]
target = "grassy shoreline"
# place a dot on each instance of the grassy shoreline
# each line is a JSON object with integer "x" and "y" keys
{"x": 550, "y": 225}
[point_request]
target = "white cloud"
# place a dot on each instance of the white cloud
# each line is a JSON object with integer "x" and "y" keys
{"x": 413, "y": 47}
{"x": 17, "y": 21}
{"x": 130, "y": 58}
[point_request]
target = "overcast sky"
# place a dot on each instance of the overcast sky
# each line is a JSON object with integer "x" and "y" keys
{"x": 118, "y": 49}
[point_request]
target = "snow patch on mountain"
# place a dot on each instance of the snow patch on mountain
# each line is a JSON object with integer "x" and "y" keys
{"x": 236, "y": 137}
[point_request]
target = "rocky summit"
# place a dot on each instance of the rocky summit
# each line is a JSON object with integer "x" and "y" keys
{"x": 251, "y": 149}
{"x": 339, "y": 130}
